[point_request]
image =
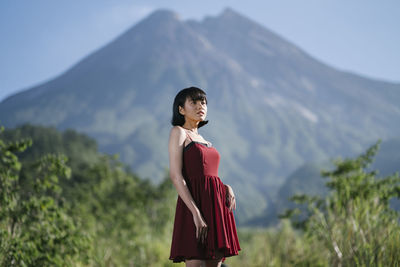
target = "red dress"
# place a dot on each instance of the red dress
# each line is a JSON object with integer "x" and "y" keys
{"x": 200, "y": 171}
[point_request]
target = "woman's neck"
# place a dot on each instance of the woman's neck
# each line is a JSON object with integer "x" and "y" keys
{"x": 191, "y": 127}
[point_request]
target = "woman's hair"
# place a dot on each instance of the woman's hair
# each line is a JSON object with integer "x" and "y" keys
{"x": 193, "y": 93}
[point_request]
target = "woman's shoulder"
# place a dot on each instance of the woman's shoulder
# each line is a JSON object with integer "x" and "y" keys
{"x": 177, "y": 136}
{"x": 177, "y": 131}
{"x": 177, "y": 128}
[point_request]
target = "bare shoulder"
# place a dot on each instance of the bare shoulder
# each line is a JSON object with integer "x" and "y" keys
{"x": 177, "y": 131}
{"x": 177, "y": 135}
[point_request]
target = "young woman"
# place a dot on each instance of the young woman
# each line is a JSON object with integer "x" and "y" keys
{"x": 204, "y": 229}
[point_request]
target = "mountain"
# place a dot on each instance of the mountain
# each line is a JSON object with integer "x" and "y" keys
{"x": 272, "y": 107}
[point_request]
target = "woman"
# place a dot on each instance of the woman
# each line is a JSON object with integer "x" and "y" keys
{"x": 204, "y": 228}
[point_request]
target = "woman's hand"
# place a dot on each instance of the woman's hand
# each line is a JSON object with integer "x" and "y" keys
{"x": 230, "y": 198}
{"x": 201, "y": 227}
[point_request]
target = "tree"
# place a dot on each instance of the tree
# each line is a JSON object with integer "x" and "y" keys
{"x": 35, "y": 228}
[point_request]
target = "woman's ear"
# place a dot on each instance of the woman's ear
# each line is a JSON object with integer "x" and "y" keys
{"x": 181, "y": 110}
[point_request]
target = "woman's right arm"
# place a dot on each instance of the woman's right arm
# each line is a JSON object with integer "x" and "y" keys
{"x": 175, "y": 147}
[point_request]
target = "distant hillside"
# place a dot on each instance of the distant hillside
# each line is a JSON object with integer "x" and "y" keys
{"x": 307, "y": 180}
{"x": 272, "y": 107}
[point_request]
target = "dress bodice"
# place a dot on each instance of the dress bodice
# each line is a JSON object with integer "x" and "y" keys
{"x": 200, "y": 159}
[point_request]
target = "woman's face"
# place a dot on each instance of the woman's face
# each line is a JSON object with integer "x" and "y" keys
{"x": 194, "y": 110}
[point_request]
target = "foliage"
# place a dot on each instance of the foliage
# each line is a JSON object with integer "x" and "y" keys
{"x": 35, "y": 229}
{"x": 120, "y": 219}
{"x": 127, "y": 216}
{"x": 280, "y": 246}
{"x": 354, "y": 223}
{"x": 97, "y": 212}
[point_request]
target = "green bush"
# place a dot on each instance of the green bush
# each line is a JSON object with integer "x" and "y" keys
{"x": 354, "y": 224}
{"x": 35, "y": 229}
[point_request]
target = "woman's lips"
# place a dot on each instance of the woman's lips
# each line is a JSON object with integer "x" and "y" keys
{"x": 200, "y": 113}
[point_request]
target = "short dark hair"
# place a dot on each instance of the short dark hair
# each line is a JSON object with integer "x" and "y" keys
{"x": 193, "y": 93}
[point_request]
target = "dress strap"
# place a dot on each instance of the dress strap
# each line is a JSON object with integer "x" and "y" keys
{"x": 188, "y": 136}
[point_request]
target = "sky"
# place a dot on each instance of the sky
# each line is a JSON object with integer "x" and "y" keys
{"x": 41, "y": 39}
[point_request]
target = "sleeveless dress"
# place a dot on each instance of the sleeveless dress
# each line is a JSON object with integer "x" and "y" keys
{"x": 200, "y": 171}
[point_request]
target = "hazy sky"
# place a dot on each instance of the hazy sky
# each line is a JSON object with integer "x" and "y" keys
{"x": 40, "y": 39}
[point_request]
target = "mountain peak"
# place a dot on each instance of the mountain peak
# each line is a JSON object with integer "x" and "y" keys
{"x": 163, "y": 14}
{"x": 228, "y": 12}
{"x": 158, "y": 22}
{"x": 230, "y": 18}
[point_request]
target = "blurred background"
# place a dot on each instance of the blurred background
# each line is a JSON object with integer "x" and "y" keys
{"x": 291, "y": 85}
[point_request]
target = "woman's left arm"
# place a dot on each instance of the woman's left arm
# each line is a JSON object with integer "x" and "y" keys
{"x": 230, "y": 197}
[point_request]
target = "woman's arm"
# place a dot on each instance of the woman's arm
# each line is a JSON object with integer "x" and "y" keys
{"x": 175, "y": 147}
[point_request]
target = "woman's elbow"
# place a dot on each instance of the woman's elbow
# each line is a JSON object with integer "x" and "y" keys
{"x": 173, "y": 175}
